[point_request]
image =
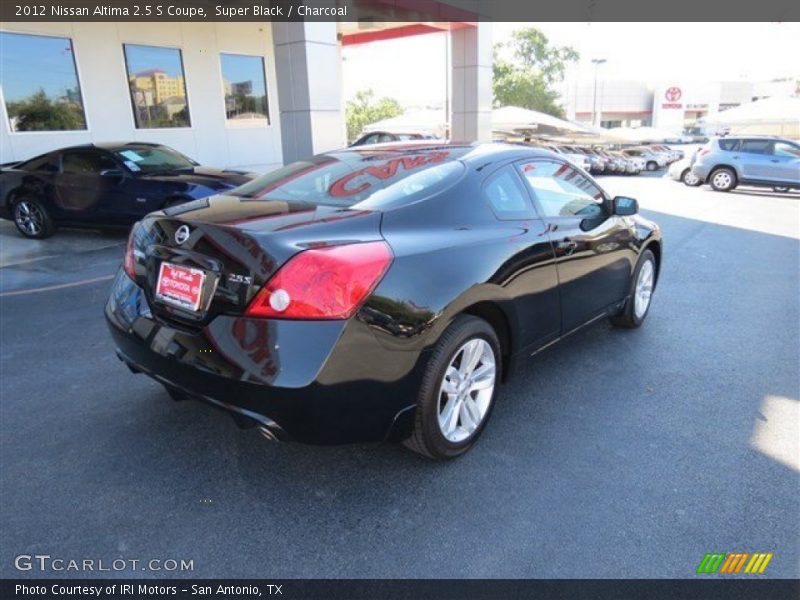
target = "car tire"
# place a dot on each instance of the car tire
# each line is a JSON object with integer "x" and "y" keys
{"x": 690, "y": 179}
{"x": 722, "y": 179}
{"x": 447, "y": 424}
{"x": 652, "y": 165}
{"x": 32, "y": 219}
{"x": 640, "y": 295}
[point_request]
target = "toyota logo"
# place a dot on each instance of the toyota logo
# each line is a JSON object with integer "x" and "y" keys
{"x": 182, "y": 234}
{"x": 673, "y": 94}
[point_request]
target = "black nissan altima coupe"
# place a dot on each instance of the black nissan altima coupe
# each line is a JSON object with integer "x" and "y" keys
{"x": 103, "y": 185}
{"x": 379, "y": 292}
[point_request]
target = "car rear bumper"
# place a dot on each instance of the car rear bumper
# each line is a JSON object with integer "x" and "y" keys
{"x": 674, "y": 172}
{"x": 700, "y": 171}
{"x": 323, "y": 382}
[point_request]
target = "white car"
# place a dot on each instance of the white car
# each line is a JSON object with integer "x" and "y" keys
{"x": 681, "y": 170}
{"x": 579, "y": 160}
{"x": 637, "y": 164}
{"x": 672, "y": 154}
{"x": 652, "y": 161}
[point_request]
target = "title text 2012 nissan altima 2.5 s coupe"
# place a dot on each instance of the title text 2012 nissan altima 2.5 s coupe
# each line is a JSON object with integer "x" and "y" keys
{"x": 378, "y": 293}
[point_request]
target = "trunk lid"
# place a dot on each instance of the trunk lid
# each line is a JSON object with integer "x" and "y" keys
{"x": 237, "y": 244}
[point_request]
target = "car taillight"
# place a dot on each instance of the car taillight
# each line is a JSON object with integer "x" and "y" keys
{"x": 323, "y": 283}
{"x": 130, "y": 260}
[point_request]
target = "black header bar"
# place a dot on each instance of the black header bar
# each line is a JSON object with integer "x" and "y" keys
{"x": 398, "y": 10}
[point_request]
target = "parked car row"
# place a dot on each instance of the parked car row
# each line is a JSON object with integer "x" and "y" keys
{"x": 384, "y": 137}
{"x": 724, "y": 163}
{"x": 598, "y": 160}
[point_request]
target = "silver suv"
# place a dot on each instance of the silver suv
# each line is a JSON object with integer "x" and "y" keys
{"x": 749, "y": 160}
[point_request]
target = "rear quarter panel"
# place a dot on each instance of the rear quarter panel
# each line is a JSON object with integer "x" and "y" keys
{"x": 450, "y": 253}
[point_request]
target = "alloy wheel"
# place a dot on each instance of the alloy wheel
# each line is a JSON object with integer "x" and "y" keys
{"x": 690, "y": 178}
{"x": 465, "y": 393}
{"x": 29, "y": 218}
{"x": 722, "y": 180}
{"x": 644, "y": 289}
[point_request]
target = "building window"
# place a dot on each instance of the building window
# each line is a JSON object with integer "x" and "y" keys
{"x": 245, "y": 87}
{"x": 40, "y": 83}
{"x": 158, "y": 87}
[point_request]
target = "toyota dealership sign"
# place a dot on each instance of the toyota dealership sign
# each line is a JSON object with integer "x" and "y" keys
{"x": 672, "y": 96}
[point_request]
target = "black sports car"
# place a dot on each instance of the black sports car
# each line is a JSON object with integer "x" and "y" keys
{"x": 103, "y": 185}
{"x": 378, "y": 293}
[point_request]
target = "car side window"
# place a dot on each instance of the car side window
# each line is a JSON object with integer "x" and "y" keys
{"x": 45, "y": 164}
{"x": 507, "y": 197}
{"x": 385, "y": 137}
{"x": 729, "y": 145}
{"x": 786, "y": 149}
{"x": 561, "y": 191}
{"x": 86, "y": 163}
{"x": 757, "y": 146}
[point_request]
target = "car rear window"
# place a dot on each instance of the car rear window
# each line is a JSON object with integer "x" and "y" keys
{"x": 372, "y": 180}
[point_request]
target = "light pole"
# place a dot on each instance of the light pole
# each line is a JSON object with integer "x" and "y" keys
{"x": 596, "y": 62}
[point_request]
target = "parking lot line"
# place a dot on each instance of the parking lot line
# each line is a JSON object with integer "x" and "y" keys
{"x": 56, "y": 287}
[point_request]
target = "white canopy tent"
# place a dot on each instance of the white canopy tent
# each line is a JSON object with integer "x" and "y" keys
{"x": 770, "y": 116}
{"x": 514, "y": 118}
{"x": 641, "y": 134}
{"x": 508, "y": 119}
{"x": 424, "y": 120}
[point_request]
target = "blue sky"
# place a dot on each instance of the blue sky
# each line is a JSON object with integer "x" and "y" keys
{"x": 142, "y": 58}
{"x": 236, "y": 68}
{"x": 23, "y": 60}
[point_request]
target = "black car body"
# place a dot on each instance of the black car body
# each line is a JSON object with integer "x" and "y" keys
{"x": 461, "y": 234}
{"x": 102, "y": 185}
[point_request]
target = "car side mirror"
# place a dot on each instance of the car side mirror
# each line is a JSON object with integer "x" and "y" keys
{"x": 112, "y": 173}
{"x": 624, "y": 206}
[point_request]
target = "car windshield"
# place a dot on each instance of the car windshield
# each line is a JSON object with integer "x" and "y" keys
{"x": 153, "y": 159}
{"x": 361, "y": 180}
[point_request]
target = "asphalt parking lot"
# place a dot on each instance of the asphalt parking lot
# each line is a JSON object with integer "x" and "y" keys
{"x": 613, "y": 454}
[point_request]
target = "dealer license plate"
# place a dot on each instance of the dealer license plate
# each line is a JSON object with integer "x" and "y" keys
{"x": 180, "y": 286}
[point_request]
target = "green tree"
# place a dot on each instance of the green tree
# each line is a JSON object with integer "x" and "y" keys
{"x": 364, "y": 110}
{"x": 39, "y": 113}
{"x": 526, "y": 79}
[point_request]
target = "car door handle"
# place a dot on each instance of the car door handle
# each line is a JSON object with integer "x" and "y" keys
{"x": 774, "y": 160}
